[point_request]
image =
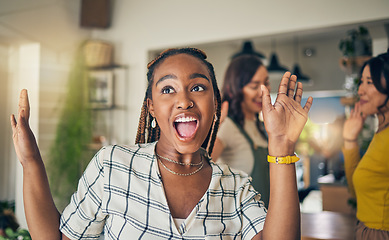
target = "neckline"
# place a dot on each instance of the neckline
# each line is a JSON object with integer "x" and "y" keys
{"x": 386, "y": 126}
{"x": 189, "y": 220}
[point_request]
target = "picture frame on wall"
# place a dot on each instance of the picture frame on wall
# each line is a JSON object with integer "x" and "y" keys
{"x": 101, "y": 89}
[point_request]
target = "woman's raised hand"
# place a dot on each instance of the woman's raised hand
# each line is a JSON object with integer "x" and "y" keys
{"x": 285, "y": 119}
{"x": 24, "y": 141}
{"x": 354, "y": 124}
{"x": 41, "y": 214}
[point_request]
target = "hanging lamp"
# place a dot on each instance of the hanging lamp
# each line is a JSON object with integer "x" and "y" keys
{"x": 296, "y": 68}
{"x": 248, "y": 48}
{"x": 297, "y": 72}
{"x": 274, "y": 66}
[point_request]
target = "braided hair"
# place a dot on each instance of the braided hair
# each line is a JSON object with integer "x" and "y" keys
{"x": 153, "y": 134}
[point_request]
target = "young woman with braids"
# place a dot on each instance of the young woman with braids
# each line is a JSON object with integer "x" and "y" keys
{"x": 166, "y": 186}
{"x": 368, "y": 177}
{"x": 241, "y": 142}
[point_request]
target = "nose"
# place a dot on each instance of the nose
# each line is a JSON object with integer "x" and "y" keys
{"x": 361, "y": 89}
{"x": 259, "y": 90}
{"x": 184, "y": 102}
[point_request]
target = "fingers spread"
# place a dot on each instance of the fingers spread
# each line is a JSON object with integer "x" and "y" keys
{"x": 13, "y": 121}
{"x": 24, "y": 104}
{"x": 299, "y": 92}
{"x": 292, "y": 85}
{"x": 283, "y": 88}
{"x": 266, "y": 99}
{"x": 308, "y": 104}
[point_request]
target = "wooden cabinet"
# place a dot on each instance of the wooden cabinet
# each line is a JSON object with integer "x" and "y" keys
{"x": 335, "y": 198}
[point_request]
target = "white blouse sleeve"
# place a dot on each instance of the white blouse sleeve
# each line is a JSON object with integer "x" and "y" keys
{"x": 83, "y": 217}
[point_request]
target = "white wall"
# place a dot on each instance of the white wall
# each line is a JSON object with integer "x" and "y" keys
{"x": 7, "y": 166}
{"x": 141, "y": 26}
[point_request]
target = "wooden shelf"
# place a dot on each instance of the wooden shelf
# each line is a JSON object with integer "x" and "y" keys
{"x": 348, "y": 101}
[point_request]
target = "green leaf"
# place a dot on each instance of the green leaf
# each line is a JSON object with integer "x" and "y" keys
{"x": 10, "y": 233}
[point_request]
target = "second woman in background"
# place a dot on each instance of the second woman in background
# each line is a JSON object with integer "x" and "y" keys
{"x": 368, "y": 174}
{"x": 242, "y": 141}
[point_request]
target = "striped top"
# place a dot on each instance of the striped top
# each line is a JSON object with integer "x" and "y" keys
{"x": 121, "y": 195}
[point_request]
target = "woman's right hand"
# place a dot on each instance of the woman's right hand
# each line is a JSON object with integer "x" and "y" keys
{"x": 41, "y": 214}
{"x": 24, "y": 141}
{"x": 354, "y": 124}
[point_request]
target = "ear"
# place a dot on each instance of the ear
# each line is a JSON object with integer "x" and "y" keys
{"x": 150, "y": 106}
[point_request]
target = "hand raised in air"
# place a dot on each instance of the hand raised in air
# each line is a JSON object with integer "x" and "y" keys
{"x": 285, "y": 119}
{"x": 24, "y": 141}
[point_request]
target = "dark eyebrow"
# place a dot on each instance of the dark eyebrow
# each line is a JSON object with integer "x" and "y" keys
{"x": 198, "y": 75}
{"x": 169, "y": 76}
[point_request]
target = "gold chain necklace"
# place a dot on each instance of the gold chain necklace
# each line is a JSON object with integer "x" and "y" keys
{"x": 177, "y": 162}
{"x": 181, "y": 174}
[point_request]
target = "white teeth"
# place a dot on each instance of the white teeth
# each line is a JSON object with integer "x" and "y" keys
{"x": 185, "y": 119}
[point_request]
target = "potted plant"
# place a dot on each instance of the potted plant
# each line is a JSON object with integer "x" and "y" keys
{"x": 19, "y": 234}
{"x": 356, "y": 48}
{"x": 69, "y": 152}
{"x": 9, "y": 226}
{"x": 356, "y": 43}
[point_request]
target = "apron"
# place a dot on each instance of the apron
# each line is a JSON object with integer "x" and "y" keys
{"x": 260, "y": 174}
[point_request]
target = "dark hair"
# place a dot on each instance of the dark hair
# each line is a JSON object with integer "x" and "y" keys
{"x": 145, "y": 119}
{"x": 239, "y": 73}
{"x": 379, "y": 67}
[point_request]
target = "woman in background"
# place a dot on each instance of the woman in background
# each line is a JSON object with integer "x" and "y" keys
{"x": 368, "y": 177}
{"x": 241, "y": 142}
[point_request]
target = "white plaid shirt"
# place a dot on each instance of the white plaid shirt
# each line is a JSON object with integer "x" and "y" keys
{"x": 121, "y": 191}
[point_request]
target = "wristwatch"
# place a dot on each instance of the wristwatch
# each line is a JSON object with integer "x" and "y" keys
{"x": 283, "y": 160}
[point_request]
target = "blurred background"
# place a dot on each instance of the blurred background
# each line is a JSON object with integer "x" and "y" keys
{"x": 52, "y": 47}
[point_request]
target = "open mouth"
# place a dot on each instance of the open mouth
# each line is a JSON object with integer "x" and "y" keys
{"x": 185, "y": 126}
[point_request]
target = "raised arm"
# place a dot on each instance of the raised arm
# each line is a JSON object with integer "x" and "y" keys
{"x": 41, "y": 214}
{"x": 284, "y": 120}
{"x": 351, "y": 129}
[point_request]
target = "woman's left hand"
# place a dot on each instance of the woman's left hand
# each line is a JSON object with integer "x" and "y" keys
{"x": 285, "y": 119}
